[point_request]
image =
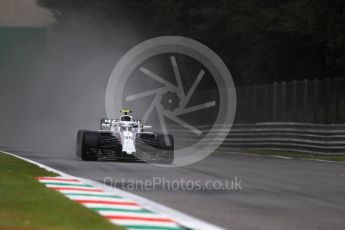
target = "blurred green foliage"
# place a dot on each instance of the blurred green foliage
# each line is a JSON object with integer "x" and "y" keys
{"x": 261, "y": 41}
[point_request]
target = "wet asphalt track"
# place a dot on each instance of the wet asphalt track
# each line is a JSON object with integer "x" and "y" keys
{"x": 276, "y": 193}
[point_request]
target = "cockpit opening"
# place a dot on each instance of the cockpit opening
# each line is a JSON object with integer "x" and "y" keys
{"x": 126, "y": 118}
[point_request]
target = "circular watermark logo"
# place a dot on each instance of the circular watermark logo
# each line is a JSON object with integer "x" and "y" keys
{"x": 181, "y": 88}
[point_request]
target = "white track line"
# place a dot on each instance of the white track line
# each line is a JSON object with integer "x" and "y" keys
{"x": 287, "y": 158}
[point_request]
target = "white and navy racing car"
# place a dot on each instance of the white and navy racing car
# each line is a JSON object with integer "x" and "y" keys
{"x": 125, "y": 138}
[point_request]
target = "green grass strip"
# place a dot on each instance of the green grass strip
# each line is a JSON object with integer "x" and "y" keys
{"x": 25, "y": 203}
{"x": 122, "y": 210}
{"x": 95, "y": 195}
{"x": 66, "y": 184}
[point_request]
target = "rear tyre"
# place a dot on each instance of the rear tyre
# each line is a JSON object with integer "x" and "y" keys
{"x": 79, "y": 141}
{"x": 87, "y": 144}
{"x": 166, "y": 149}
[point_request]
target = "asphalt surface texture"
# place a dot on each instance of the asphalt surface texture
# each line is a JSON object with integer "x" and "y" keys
{"x": 267, "y": 192}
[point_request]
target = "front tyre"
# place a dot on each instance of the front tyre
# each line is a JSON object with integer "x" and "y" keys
{"x": 87, "y": 145}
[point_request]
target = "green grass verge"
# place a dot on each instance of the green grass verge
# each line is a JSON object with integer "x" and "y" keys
{"x": 25, "y": 203}
{"x": 297, "y": 155}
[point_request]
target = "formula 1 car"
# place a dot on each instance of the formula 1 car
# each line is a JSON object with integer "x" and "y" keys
{"x": 125, "y": 138}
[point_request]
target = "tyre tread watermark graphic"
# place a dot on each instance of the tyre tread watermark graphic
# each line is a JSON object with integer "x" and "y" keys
{"x": 171, "y": 101}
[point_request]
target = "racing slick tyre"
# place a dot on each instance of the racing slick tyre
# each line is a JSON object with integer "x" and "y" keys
{"x": 87, "y": 143}
{"x": 161, "y": 143}
{"x": 166, "y": 150}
